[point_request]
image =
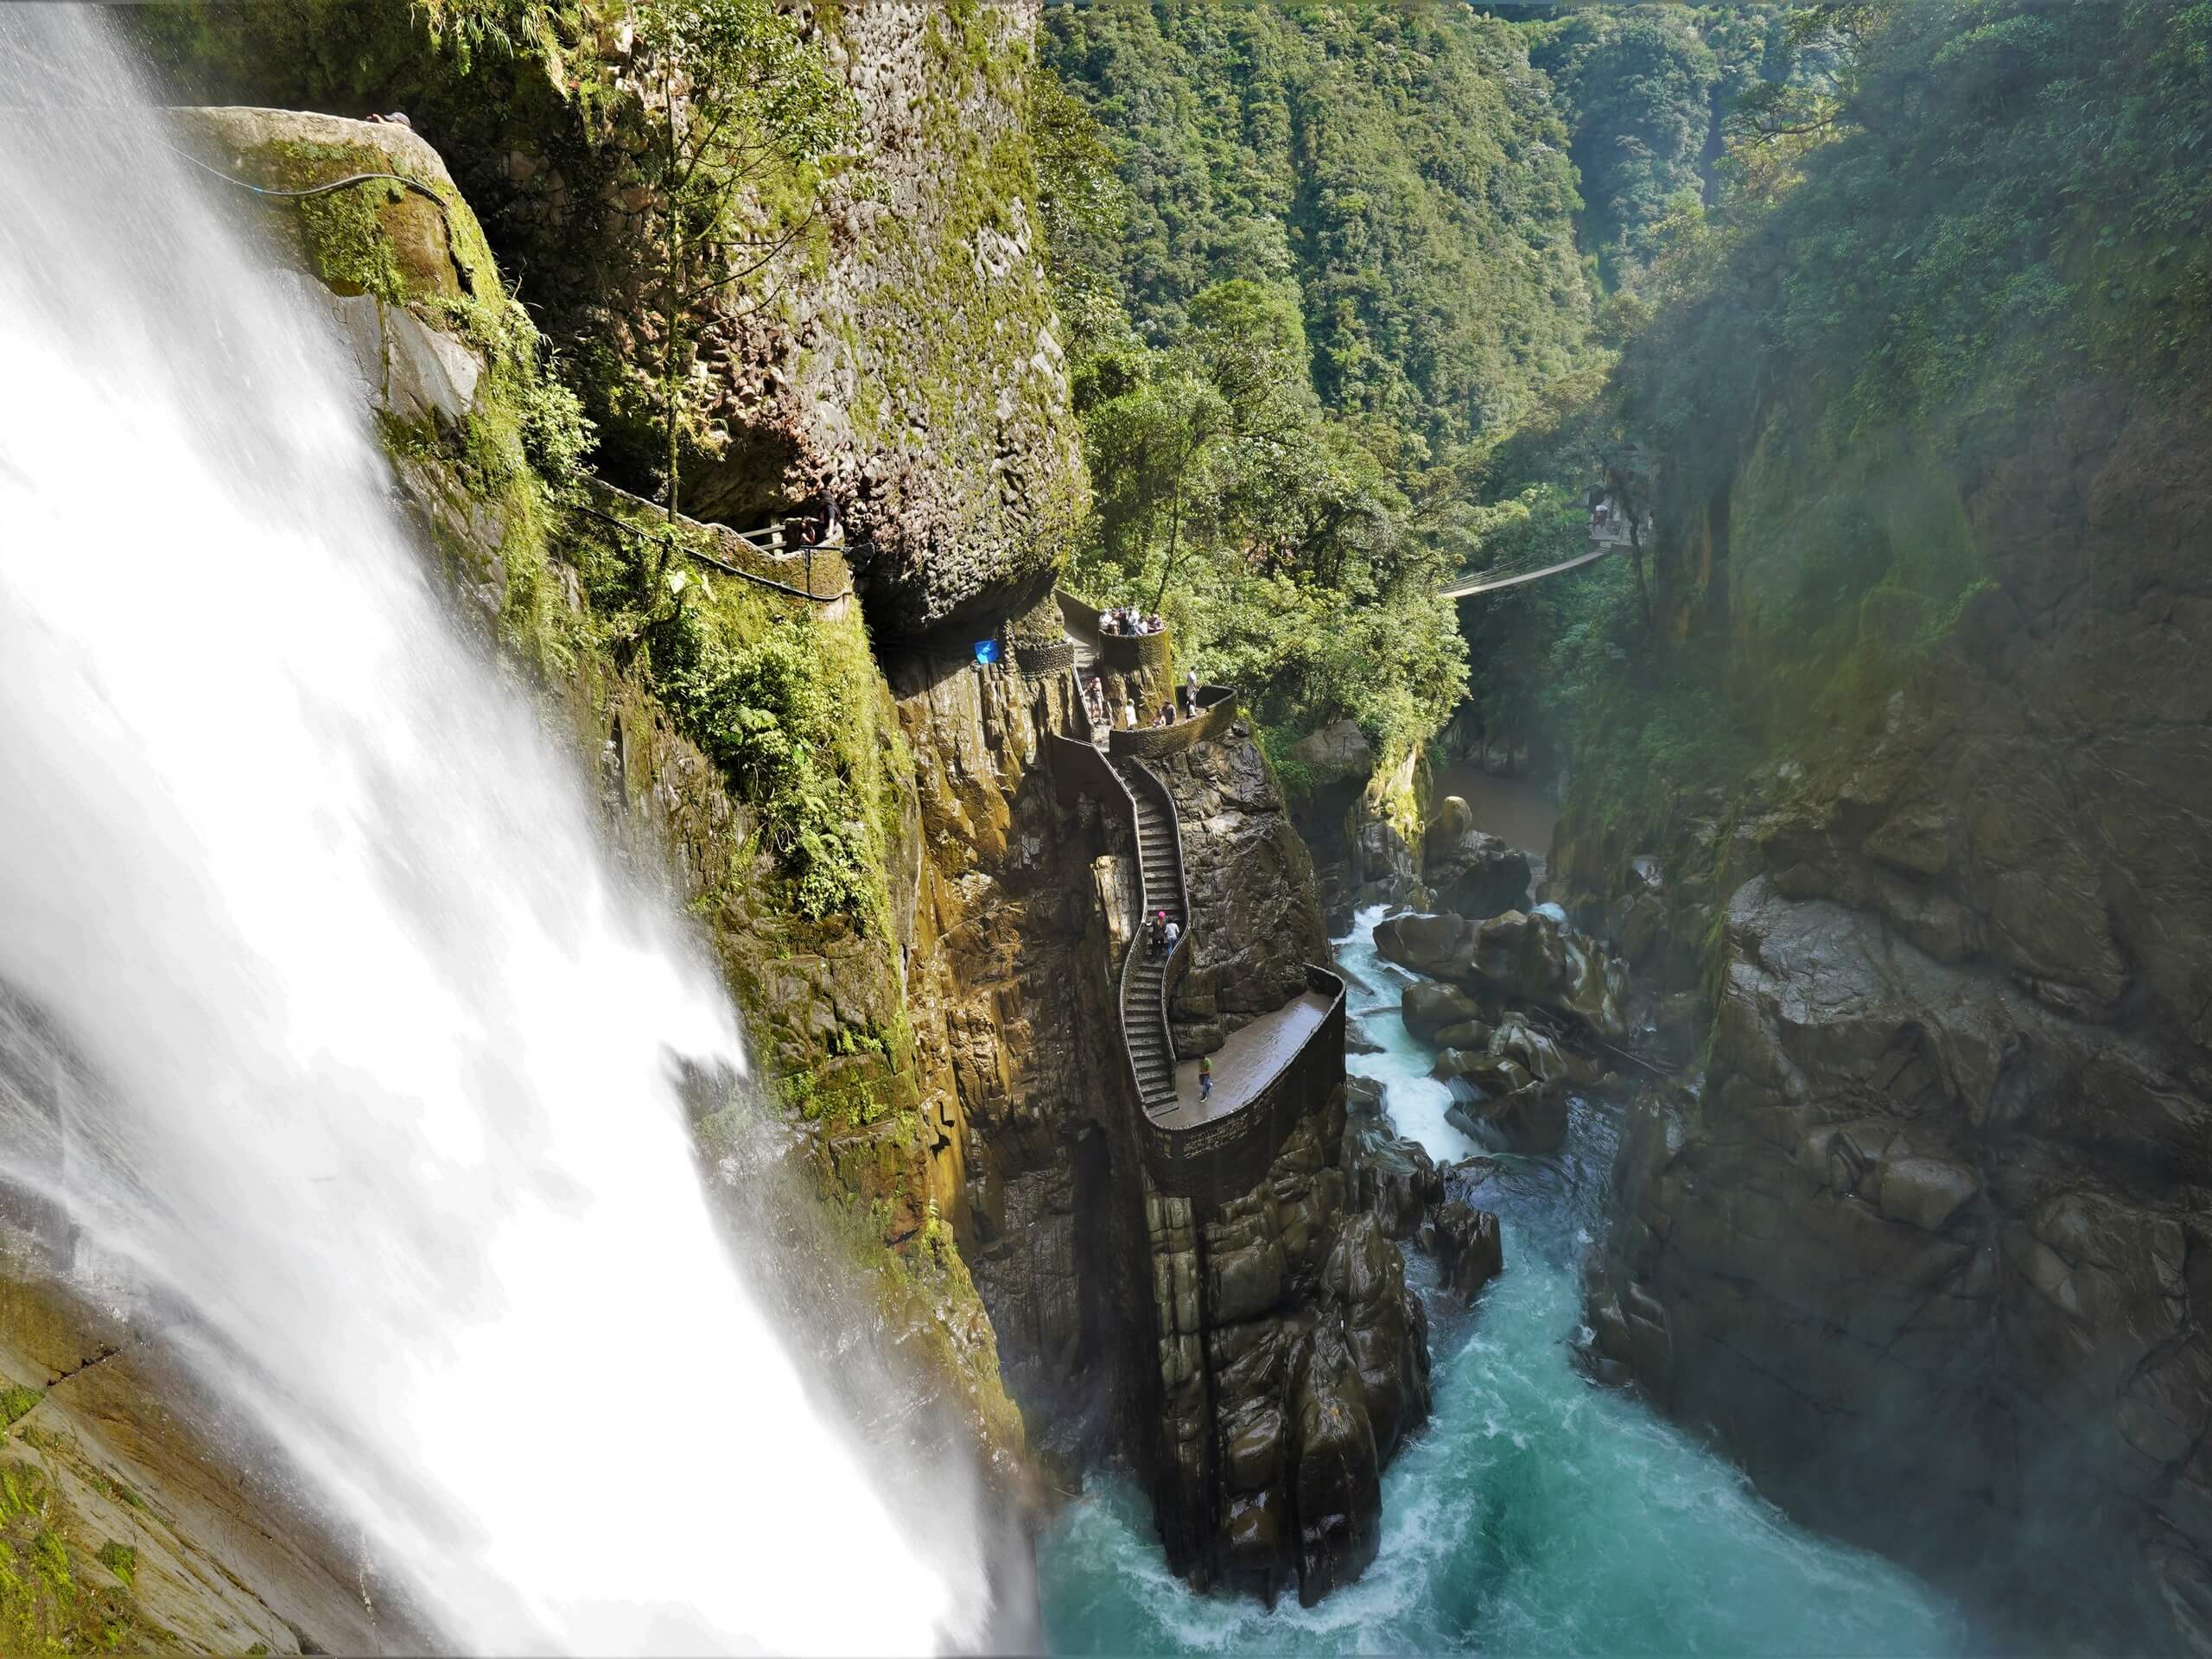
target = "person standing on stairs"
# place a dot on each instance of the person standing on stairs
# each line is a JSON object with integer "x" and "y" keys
{"x": 1205, "y": 1077}
{"x": 1128, "y": 714}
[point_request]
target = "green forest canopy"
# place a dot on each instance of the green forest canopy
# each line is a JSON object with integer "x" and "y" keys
{"x": 1341, "y": 263}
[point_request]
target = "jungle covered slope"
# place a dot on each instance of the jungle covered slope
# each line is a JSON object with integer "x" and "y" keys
{"x": 1330, "y": 259}
{"x": 1645, "y": 90}
{"x": 1908, "y": 712}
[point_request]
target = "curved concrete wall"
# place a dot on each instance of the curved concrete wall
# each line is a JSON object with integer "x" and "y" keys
{"x": 1216, "y": 708}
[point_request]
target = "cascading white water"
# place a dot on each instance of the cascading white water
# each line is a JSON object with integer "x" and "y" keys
{"x": 387, "y": 1054}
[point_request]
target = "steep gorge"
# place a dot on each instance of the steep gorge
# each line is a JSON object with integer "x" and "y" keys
{"x": 1920, "y": 1240}
{"x": 1923, "y": 1243}
{"x": 945, "y": 1050}
{"x": 1899, "y": 794}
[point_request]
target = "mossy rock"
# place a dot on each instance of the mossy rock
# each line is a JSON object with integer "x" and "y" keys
{"x": 377, "y": 237}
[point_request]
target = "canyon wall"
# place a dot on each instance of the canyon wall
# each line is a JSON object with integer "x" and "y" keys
{"x": 1925, "y": 1246}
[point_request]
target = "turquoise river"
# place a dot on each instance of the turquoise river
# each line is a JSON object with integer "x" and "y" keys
{"x": 1537, "y": 1514}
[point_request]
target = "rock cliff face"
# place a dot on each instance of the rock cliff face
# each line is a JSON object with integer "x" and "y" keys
{"x": 1260, "y": 1359}
{"x": 1928, "y": 1247}
{"x": 1255, "y": 918}
{"x": 900, "y": 357}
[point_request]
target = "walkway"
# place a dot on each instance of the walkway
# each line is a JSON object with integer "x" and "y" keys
{"x": 1160, "y": 864}
{"x": 1244, "y": 1065}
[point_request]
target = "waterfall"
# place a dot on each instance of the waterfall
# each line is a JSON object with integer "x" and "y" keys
{"x": 387, "y": 1101}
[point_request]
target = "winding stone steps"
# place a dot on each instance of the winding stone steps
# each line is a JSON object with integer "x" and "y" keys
{"x": 1158, "y": 858}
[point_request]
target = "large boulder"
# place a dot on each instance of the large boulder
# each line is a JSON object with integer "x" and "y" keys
{"x": 1337, "y": 753}
{"x": 1389, "y": 1176}
{"x": 1338, "y": 1487}
{"x": 1384, "y": 870}
{"x": 1385, "y": 1330}
{"x": 1430, "y": 1007}
{"x": 1512, "y": 1094}
{"x": 1536, "y": 957}
{"x": 1469, "y": 872}
{"x": 1468, "y": 1248}
{"x": 1427, "y": 944}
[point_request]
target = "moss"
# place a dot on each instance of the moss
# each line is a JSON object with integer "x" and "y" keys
{"x": 936, "y": 332}
{"x": 347, "y": 245}
{"x": 119, "y": 1558}
{"x": 16, "y": 1399}
{"x": 46, "y": 1608}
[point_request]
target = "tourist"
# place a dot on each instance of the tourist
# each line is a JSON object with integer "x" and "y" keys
{"x": 1174, "y": 932}
{"x": 1128, "y": 714}
{"x": 1158, "y": 932}
{"x": 1094, "y": 702}
{"x": 1205, "y": 1076}
{"x": 1165, "y": 717}
{"x": 1191, "y": 696}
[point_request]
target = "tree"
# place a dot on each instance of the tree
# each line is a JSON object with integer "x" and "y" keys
{"x": 1242, "y": 372}
{"x": 737, "y": 102}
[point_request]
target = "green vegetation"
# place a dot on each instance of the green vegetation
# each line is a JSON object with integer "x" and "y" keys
{"x": 121, "y": 1559}
{"x": 16, "y": 1401}
{"x": 740, "y": 109}
{"x": 1643, "y": 89}
{"x": 1931, "y": 216}
{"x": 788, "y": 705}
{"x": 45, "y": 1609}
{"x": 1332, "y": 263}
{"x": 1395, "y": 167}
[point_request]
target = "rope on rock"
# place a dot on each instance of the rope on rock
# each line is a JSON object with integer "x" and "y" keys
{"x": 445, "y": 212}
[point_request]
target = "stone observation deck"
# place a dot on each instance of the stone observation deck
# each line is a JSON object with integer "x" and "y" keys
{"x": 1270, "y": 1073}
{"x": 1091, "y": 652}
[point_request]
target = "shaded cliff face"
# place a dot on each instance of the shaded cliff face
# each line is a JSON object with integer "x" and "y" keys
{"x": 1928, "y": 1247}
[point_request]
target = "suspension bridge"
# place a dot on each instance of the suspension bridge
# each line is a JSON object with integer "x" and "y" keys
{"x": 1610, "y": 532}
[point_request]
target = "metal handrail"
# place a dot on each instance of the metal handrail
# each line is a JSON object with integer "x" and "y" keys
{"x": 1129, "y": 957}
{"x": 721, "y": 531}
{"x": 1183, "y": 892}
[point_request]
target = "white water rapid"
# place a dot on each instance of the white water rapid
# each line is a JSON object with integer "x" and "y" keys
{"x": 386, "y": 1054}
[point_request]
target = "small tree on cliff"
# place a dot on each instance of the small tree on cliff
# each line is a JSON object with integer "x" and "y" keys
{"x": 741, "y": 112}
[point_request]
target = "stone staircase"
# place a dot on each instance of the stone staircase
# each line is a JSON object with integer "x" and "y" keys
{"x": 1086, "y": 665}
{"x": 1143, "y": 1021}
